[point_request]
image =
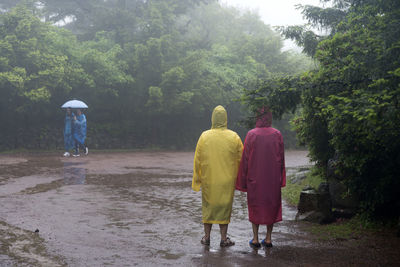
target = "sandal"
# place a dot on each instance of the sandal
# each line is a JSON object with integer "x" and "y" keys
{"x": 205, "y": 241}
{"x": 265, "y": 244}
{"x": 254, "y": 245}
{"x": 227, "y": 243}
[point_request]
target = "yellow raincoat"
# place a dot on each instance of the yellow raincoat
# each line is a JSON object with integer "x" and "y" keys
{"x": 215, "y": 168}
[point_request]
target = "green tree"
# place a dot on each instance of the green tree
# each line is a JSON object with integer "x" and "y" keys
{"x": 350, "y": 104}
{"x": 151, "y": 71}
{"x": 33, "y": 71}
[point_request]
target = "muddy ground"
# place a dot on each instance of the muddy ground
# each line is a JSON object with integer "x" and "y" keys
{"x": 137, "y": 208}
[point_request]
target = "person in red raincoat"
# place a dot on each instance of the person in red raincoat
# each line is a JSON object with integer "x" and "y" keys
{"x": 262, "y": 174}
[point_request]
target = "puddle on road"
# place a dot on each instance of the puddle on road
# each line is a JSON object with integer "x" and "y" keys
{"x": 11, "y": 160}
{"x": 73, "y": 174}
{"x": 30, "y": 165}
{"x": 149, "y": 216}
{"x": 137, "y": 209}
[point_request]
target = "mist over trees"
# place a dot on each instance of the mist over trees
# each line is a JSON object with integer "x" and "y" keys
{"x": 150, "y": 71}
{"x": 350, "y": 109}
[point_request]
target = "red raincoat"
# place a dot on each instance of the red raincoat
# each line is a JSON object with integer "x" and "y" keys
{"x": 262, "y": 172}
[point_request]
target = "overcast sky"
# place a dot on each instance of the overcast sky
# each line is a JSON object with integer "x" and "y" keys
{"x": 275, "y": 12}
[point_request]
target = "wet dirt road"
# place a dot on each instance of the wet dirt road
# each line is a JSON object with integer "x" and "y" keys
{"x": 135, "y": 209}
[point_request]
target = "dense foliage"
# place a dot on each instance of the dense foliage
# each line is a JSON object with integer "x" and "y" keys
{"x": 350, "y": 104}
{"x": 150, "y": 71}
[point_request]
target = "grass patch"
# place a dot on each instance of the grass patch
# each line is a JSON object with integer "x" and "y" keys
{"x": 346, "y": 229}
{"x": 291, "y": 192}
{"x": 314, "y": 177}
{"x": 340, "y": 230}
{"x": 14, "y": 151}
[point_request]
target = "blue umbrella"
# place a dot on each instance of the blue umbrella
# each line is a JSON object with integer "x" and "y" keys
{"x": 74, "y": 104}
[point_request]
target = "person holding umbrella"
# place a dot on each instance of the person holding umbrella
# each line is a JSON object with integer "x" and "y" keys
{"x": 78, "y": 125}
{"x": 79, "y": 132}
{"x": 68, "y": 138}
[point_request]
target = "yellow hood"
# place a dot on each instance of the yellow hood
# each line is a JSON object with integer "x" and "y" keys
{"x": 215, "y": 167}
{"x": 219, "y": 118}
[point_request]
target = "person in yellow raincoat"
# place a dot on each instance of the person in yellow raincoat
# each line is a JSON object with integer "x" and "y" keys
{"x": 215, "y": 168}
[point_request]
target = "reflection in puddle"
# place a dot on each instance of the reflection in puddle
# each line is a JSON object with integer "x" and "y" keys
{"x": 148, "y": 216}
{"x": 74, "y": 175}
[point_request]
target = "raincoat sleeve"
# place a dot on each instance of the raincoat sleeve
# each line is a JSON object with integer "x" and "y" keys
{"x": 239, "y": 151}
{"x": 241, "y": 182}
{"x": 81, "y": 122}
{"x": 67, "y": 126}
{"x": 283, "y": 168}
{"x": 196, "y": 182}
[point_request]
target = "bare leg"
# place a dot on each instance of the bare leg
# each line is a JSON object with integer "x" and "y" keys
{"x": 207, "y": 230}
{"x": 255, "y": 232}
{"x": 269, "y": 232}
{"x": 223, "y": 228}
{"x": 225, "y": 241}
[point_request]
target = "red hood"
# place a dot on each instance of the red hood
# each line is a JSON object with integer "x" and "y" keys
{"x": 264, "y": 117}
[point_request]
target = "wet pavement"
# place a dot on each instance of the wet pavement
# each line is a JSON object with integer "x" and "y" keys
{"x": 137, "y": 209}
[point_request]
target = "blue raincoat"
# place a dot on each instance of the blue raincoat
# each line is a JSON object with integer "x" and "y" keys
{"x": 68, "y": 138}
{"x": 79, "y": 129}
